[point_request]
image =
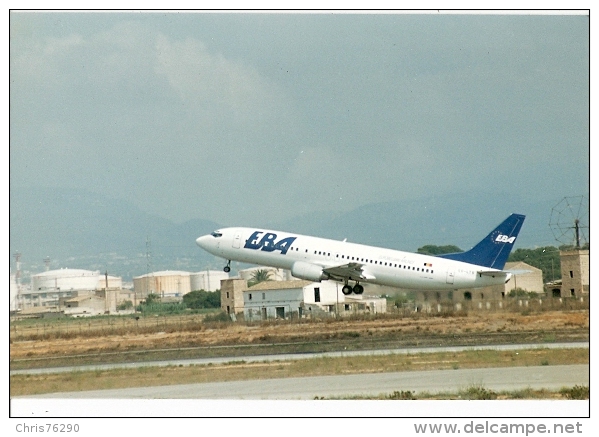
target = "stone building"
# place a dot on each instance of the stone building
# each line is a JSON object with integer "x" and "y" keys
{"x": 231, "y": 295}
{"x": 528, "y": 278}
{"x": 575, "y": 273}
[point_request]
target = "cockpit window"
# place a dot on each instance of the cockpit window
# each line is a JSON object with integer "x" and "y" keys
{"x": 216, "y": 234}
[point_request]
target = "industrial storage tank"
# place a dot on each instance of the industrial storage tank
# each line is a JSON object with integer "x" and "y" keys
{"x": 208, "y": 280}
{"x": 165, "y": 283}
{"x": 14, "y": 293}
{"x": 113, "y": 282}
{"x": 66, "y": 279}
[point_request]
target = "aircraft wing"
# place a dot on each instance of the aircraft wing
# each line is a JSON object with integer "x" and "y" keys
{"x": 353, "y": 271}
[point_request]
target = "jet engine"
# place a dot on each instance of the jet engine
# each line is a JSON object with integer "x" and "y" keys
{"x": 307, "y": 271}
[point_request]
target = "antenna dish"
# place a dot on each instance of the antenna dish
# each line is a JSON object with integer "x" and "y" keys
{"x": 569, "y": 221}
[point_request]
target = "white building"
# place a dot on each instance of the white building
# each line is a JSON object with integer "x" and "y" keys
{"x": 14, "y": 291}
{"x": 297, "y": 298}
{"x": 208, "y": 280}
{"x": 86, "y": 305}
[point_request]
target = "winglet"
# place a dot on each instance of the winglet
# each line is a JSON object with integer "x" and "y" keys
{"x": 494, "y": 249}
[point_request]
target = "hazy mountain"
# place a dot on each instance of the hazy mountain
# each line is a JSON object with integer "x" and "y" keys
{"x": 462, "y": 220}
{"x": 79, "y": 229}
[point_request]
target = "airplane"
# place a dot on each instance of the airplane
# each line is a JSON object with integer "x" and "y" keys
{"x": 318, "y": 259}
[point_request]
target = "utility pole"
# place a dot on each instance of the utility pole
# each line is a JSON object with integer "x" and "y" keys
{"x": 148, "y": 264}
{"x": 18, "y": 277}
{"x": 106, "y": 306}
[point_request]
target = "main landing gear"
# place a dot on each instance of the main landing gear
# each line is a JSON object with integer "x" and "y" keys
{"x": 227, "y": 268}
{"x": 348, "y": 289}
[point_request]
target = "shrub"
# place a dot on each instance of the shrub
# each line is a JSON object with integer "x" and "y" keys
{"x": 218, "y": 317}
{"x": 478, "y": 392}
{"x": 126, "y": 305}
{"x": 401, "y": 395}
{"x": 576, "y": 392}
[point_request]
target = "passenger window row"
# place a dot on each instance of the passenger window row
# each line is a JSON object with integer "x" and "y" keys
{"x": 358, "y": 259}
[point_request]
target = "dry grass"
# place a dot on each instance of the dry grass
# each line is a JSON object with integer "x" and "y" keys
{"x": 478, "y": 392}
{"x": 179, "y": 332}
{"x": 106, "y": 340}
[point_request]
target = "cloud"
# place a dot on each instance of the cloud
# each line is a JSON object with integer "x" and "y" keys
{"x": 206, "y": 115}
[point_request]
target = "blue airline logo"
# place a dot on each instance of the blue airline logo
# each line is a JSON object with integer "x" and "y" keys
{"x": 268, "y": 242}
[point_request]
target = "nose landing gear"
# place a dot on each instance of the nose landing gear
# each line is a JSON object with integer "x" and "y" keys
{"x": 227, "y": 268}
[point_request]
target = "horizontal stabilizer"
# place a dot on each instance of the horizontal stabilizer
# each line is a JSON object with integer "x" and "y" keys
{"x": 518, "y": 272}
{"x": 493, "y": 273}
{"x": 506, "y": 273}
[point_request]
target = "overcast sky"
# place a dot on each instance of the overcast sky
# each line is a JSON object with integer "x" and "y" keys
{"x": 229, "y": 117}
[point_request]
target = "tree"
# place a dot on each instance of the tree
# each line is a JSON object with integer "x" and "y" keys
{"x": 152, "y": 298}
{"x": 545, "y": 258}
{"x": 126, "y": 305}
{"x": 431, "y": 249}
{"x": 199, "y": 299}
{"x": 260, "y": 275}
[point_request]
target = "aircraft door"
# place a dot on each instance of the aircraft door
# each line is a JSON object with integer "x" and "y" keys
{"x": 450, "y": 276}
{"x": 237, "y": 240}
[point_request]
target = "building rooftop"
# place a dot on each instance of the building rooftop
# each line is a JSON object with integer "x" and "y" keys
{"x": 68, "y": 273}
{"x": 516, "y": 265}
{"x": 84, "y": 297}
{"x": 164, "y": 273}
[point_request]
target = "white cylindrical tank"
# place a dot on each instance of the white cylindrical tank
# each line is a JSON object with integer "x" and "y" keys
{"x": 65, "y": 279}
{"x": 168, "y": 282}
{"x": 113, "y": 282}
{"x": 208, "y": 280}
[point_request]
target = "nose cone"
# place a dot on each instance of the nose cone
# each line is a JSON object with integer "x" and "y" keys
{"x": 203, "y": 241}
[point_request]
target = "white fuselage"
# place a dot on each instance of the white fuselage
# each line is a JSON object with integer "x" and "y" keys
{"x": 381, "y": 266}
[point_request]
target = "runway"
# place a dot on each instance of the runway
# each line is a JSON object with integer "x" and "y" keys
{"x": 432, "y": 381}
{"x": 290, "y": 397}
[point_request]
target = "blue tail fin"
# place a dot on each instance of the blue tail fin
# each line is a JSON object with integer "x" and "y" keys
{"x": 495, "y": 248}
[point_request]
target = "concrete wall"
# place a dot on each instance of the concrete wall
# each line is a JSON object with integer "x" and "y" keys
{"x": 267, "y": 304}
